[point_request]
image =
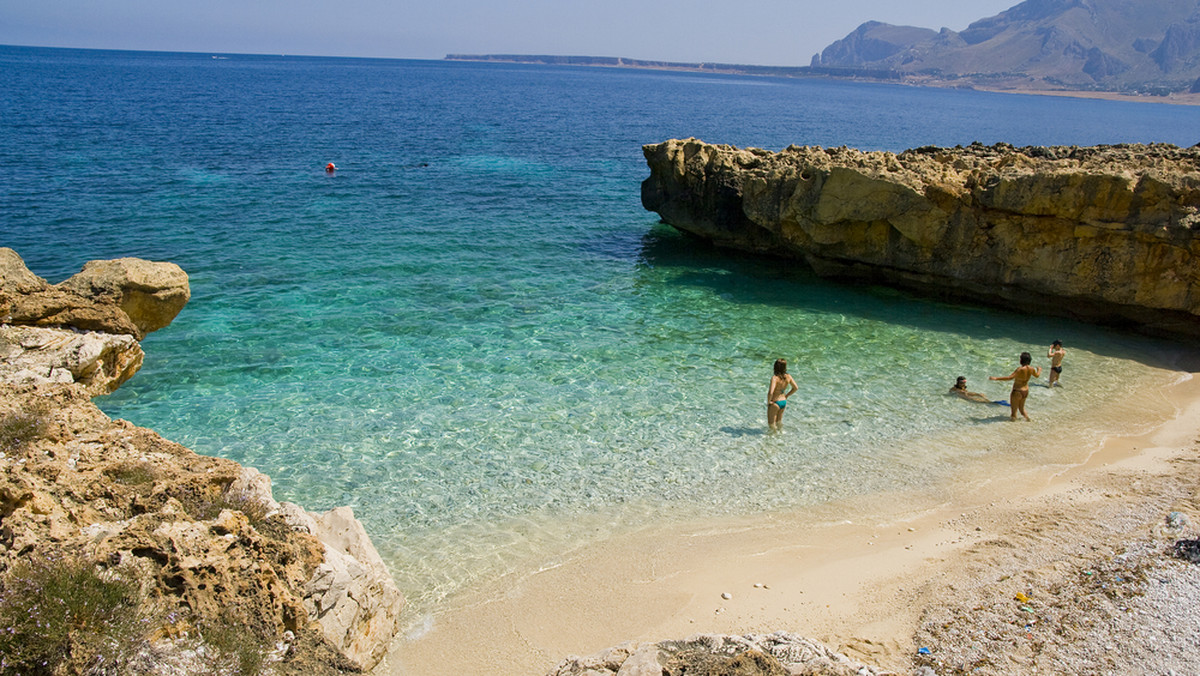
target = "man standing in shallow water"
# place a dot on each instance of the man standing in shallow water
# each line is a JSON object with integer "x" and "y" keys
{"x": 1056, "y": 354}
{"x": 1020, "y": 378}
{"x": 776, "y": 397}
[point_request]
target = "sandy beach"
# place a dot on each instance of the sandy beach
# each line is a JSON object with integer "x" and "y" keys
{"x": 954, "y": 574}
{"x": 1175, "y": 98}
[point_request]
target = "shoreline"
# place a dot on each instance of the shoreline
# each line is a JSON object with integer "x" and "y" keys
{"x": 790, "y": 72}
{"x": 861, "y": 585}
{"x": 1175, "y": 99}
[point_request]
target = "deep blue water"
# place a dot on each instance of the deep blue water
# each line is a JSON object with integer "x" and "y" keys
{"x": 472, "y": 333}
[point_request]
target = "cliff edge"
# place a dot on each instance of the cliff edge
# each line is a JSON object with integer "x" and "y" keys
{"x": 1107, "y": 234}
{"x": 217, "y": 576}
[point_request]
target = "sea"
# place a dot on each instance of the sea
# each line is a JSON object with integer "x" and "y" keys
{"x": 474, "y": 335}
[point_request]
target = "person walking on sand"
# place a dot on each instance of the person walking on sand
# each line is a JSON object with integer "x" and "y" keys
{"x": 1020, "y": 389}
{"x": 776, "y": 396}
{"x": 1056, "y": 354}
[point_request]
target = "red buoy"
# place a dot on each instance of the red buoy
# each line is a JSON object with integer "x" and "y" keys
{"x": 329, "y": 168}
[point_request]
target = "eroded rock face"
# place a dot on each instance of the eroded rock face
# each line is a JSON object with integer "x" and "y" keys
{"x": 97, "y": 362}
{"x": 127, "y": 296}
{"x": 204, "y": 536}
{"x": 1101, "y": 233}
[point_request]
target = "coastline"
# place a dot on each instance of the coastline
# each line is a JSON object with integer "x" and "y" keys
{"x": 863, "y": 585}
{"x": 810, "y": 73}
{"x": 1175, "y": 99}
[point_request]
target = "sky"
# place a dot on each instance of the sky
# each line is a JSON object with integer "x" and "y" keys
{"x": 759, "y": 32}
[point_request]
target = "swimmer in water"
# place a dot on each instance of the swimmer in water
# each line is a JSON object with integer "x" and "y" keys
{"x": 776, "y": 397}
{"x": 960, "y": 389}
{"x": 1020, "y": 378}
{"x": 330, "y": 168}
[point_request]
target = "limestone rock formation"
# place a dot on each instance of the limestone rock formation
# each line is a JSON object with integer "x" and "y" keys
{"x": 1108, "y": 234}
{"x": 151, "y": 294}
{"x": 778, "y": 654}
{"x": 97, "y": 362}
{"x": 203, "y": 536}
{"x": 127, "y": 296}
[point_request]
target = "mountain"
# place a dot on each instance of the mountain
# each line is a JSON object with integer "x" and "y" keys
{"x": 1147, "y": 46}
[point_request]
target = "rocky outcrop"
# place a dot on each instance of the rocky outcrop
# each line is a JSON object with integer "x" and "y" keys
{"x": 127, "y": 296}
{"x": 778, "y": 654}
{"x": 202, "y": 536}
{"x": 1108, "y": 234}
{"x": 97, "y": 362}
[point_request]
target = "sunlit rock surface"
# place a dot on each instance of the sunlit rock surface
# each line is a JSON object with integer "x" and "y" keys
{"x": 1105, "y": 234}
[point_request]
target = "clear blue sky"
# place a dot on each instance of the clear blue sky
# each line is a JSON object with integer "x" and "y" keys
{"x": 766, "y": 32}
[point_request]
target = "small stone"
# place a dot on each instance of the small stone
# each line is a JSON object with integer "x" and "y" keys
{"x": 1177, "y": 520}
{"x": 726, "y": 596}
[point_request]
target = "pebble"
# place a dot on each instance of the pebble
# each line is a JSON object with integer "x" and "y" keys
{"x": 726, "y": 596}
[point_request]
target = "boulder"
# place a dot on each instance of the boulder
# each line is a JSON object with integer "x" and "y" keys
{"x": 352, "y": 594}
{"x": 150, "y": 294}
{"x": 127, "y": 296}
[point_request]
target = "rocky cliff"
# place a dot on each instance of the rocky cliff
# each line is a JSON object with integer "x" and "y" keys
{"x": 1106, "y": 234}
{"x": 1145, "y": 46}
{"x": 210, "y": 549}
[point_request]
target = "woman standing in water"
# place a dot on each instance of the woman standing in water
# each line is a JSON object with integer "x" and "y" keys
{"x": 1020, "y": 378}
{"x": 776, "y": 397}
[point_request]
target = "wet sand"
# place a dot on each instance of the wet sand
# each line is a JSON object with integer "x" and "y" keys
{"x": 859, "y": 577}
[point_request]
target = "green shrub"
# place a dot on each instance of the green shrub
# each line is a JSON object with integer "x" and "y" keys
{"x": 204, "y": 507}
{"x": 133, "y": 473}
{"x": 233, "y": 647}
{"x": 64, "y": 616}
{"x": 18, "y": 428}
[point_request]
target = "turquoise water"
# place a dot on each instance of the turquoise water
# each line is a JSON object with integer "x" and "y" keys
{"x": 474, "y": 335}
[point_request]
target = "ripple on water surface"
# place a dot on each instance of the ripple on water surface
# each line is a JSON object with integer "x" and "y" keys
{"x": 473, "y": 424}
{"x": 473, "y": 334}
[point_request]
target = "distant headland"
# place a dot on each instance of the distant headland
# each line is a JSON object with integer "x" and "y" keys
{"x": 1113, "y": 49}
{"x": 704, "y": 67}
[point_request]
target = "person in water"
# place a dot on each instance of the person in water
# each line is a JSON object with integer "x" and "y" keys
{"x": 1020, "y": 378}
{"x": 960, "y": 389}
{"x": 776, "y": 396}
{"x": 1056, "y": 354}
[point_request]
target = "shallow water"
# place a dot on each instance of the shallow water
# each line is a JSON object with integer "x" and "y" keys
{"x": 474, "y": 335}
